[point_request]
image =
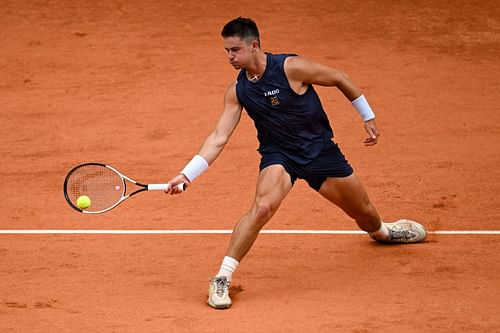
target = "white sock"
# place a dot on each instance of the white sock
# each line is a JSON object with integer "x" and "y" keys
{"x": 228, "y": 267}
{"x": 382, "y": 233}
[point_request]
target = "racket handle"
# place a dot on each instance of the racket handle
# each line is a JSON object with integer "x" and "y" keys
{"x": 161, "y": 187}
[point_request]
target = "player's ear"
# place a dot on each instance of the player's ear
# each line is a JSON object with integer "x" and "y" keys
{"x": 255, "y": 45}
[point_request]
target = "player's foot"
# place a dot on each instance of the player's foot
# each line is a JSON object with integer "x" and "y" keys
{"x": 218, "y": 293}
{"x": 404, "y": 231}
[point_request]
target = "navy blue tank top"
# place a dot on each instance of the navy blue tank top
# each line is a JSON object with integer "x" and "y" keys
{"x": 295, "y": 125}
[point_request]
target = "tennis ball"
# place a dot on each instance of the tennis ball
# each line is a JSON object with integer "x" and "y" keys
{"x": 83, "y": 202}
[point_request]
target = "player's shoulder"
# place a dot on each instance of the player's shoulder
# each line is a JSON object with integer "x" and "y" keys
{"x": 296, "y": 61}
{"x": 232, "y": 85}
{"x": 295, "y": 66}
{"x": 231, "y": 89}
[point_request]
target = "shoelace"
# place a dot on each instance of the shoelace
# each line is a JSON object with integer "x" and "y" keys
{"x": 400, "y": 234}
{"x": 221, "y": 285}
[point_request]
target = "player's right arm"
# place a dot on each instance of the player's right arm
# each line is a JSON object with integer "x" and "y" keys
{"x": 217, "y": 139}
{"x": 215, "y": 142}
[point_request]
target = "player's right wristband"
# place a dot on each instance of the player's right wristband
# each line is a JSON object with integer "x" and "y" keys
{"x": 361, "y": 105}
{"x": 195, "y": 167}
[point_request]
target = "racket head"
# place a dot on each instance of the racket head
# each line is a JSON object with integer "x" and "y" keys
{"x": 104, "y": 186}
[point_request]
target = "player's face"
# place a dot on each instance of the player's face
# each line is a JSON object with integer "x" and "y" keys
{"x": 239, "y": 52}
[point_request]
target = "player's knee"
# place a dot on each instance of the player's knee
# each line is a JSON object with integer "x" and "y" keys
{"x": 262, "y": 211}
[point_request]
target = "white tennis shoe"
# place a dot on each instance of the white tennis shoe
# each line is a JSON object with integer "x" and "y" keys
{"x": 404, "y": 231}
{"x": 218, "y": 293}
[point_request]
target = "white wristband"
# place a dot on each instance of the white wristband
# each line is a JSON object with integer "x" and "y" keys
{"x": 195, "y": 167}
{"x": 363, "y": 108}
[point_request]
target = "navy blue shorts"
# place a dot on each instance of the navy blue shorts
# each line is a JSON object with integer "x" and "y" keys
{"x": 329, "y": 163}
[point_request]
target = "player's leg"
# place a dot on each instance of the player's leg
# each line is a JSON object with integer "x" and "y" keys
{"x": 273, "y": 185}
{"x": 349, "y": 194}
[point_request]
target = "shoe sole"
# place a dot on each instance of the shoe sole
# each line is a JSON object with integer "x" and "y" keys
{"x": 218, "y": 307}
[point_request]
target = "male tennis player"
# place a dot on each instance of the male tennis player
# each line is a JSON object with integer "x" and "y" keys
{"x": 295, "y": 137}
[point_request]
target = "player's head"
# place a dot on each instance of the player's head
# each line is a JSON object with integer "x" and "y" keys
{"x": 244, "y": 28}
{"x": 241, "y": 41}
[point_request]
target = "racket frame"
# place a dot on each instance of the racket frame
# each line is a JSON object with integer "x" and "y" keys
{"x": 143, "y": 187}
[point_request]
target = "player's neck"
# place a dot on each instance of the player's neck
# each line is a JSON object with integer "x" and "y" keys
{"x": 258, "y": 67}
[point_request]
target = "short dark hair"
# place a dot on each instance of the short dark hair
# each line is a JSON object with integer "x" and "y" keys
{"x": 244, "y": 28}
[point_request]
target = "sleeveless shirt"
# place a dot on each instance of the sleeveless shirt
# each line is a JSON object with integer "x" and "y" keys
{"x": 295, "y": 125}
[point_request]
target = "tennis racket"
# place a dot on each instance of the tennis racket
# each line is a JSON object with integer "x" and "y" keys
{"x": 105, "y": 186}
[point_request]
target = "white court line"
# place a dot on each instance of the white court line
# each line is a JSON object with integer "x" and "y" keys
{"x": 214, "y": 232}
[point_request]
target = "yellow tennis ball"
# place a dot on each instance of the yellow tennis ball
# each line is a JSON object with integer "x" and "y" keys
{"x": 83, "y": 202}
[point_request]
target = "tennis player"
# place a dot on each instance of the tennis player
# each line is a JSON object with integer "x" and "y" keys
{"x": 296, "y": 142}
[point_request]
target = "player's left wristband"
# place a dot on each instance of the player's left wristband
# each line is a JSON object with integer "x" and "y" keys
{"x": 195, "y": 168}
{"x": 361, "y": 105}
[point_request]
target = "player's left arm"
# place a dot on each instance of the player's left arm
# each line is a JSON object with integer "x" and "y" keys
{"x": 302, "y": 72}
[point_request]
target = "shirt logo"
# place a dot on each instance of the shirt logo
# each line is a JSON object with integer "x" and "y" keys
{"x": 272, "y": 96}
{"x": 272, "y": 92}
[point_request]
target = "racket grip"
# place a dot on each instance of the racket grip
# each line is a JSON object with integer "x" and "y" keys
{"x": 161, "y": 187}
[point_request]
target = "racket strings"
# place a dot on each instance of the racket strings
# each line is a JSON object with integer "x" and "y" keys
{"x": 102, "y": 185}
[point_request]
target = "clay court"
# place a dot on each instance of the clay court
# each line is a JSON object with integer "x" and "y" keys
{"x": 140, "y": 85}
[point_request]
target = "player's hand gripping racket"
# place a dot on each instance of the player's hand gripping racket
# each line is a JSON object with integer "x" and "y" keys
{"x": 94, "y": 188}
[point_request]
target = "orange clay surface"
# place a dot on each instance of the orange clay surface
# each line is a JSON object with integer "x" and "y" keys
{"x": 139, "y": 85}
